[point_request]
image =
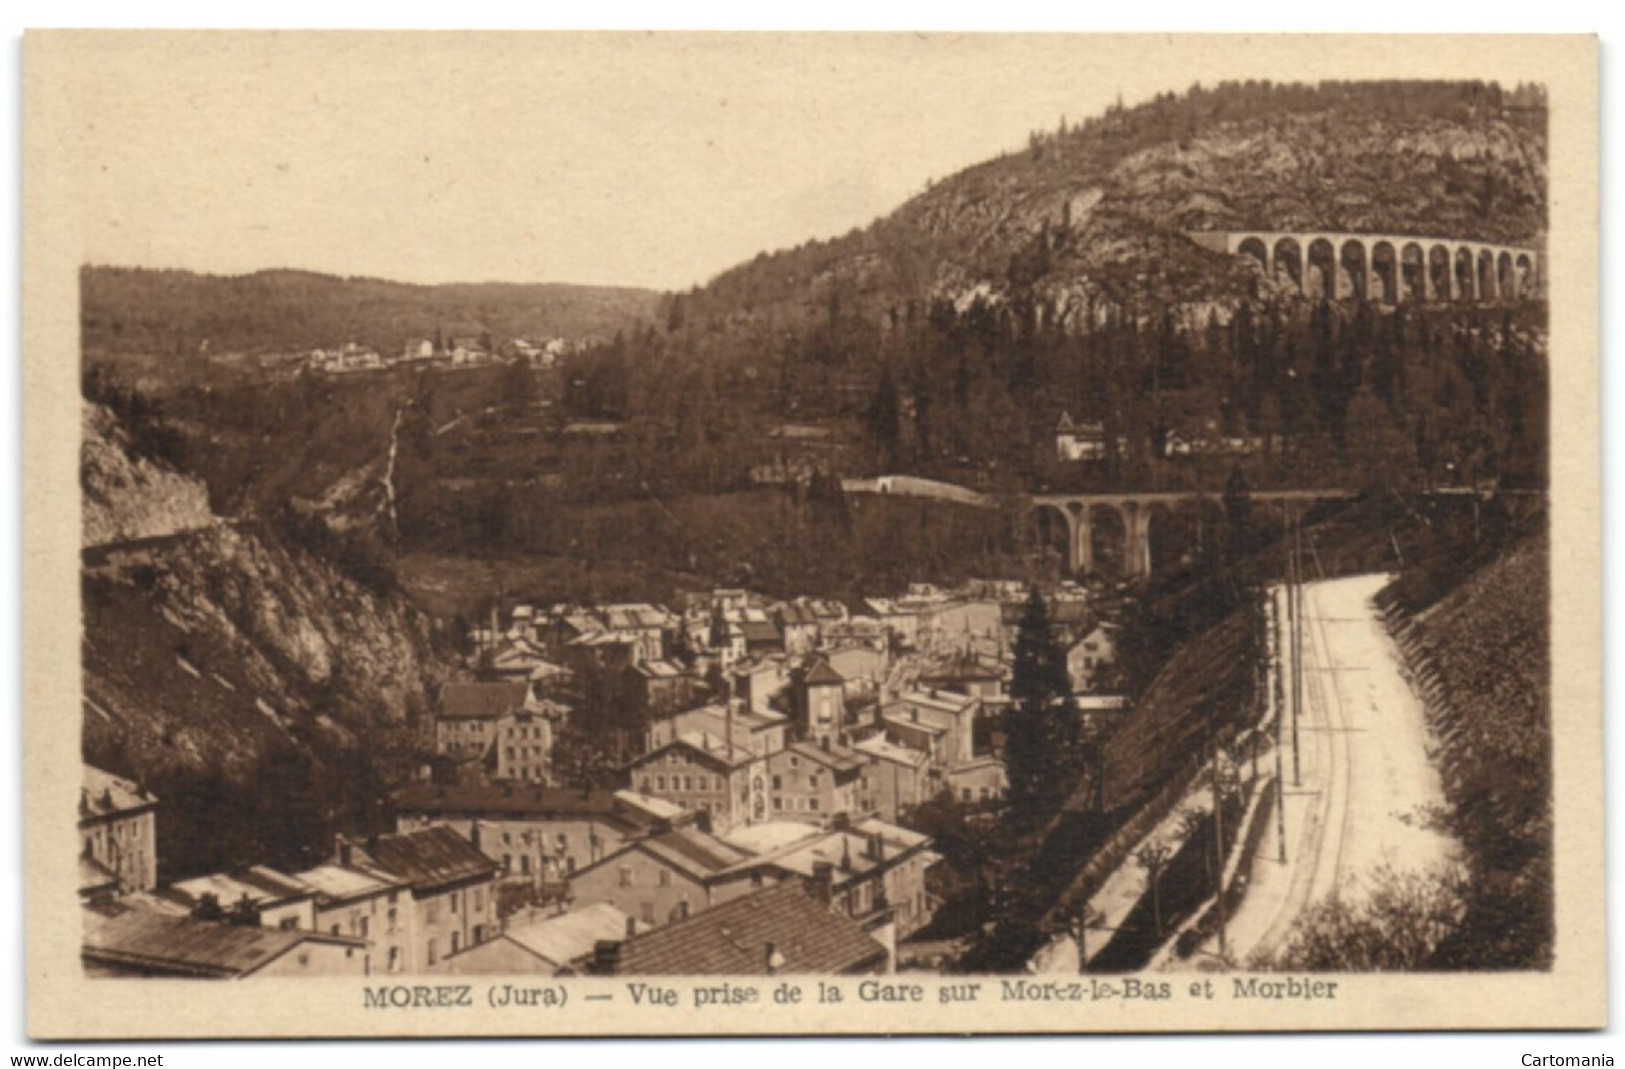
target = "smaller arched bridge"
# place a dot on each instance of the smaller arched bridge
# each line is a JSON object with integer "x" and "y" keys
{"x": 1135, "y": 511}
{"x": 1389, "y": 268}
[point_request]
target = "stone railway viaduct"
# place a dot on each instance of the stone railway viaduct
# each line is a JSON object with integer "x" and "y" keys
{"x": 1135, "y": 511}
{"x": 1392, "y": 268}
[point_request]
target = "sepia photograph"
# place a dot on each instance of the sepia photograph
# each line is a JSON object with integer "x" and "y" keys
{"x": 567, "y": 522}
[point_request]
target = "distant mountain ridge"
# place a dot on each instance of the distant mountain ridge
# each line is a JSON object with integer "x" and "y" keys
{"x": 139, "y": 310}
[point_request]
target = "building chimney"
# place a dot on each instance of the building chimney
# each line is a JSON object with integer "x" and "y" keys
{"x": 631, "y": 927}
{"x": 841, "y": 821}
{"x": 341, "y": 851}
{"x": 877, "y": 846}
{"x": 474, "y": 833}
{"x": 772, "y": 960}
{"x": 728, "y": 721}
{"x": 824, "y": 881}
{"x": 606, "y": 957}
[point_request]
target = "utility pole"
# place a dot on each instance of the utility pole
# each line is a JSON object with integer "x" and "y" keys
{"x": 1295, "y": 593}
{"x": 1280, "y": 774}
{"x": 1218, "y": 849}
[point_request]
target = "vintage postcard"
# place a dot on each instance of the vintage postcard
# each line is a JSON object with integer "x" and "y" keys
{"x": 615, "y": 534}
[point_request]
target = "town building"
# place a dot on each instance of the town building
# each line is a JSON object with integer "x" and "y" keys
{"x": 118, "y": 833}
{"x": 820, "y": 704}
{"x": 547, "y": 944}
{"x": 871, "y": 870}
{"x": 665, "y": 876}
{"x": 538, "y": 835}
{"x": 812, "y": 781}
{"x": 499, "y": 723}
{"x": 937, "y": 722}
{"x": 897, "y": 778}
{"x": 365, "y": 904}
{"x": 762, "y": 733}
{"x": 1080, "y": 440}
{"x": 453, "y": 888}
{"x": 1090, "y": 660}
{"x": 700, "y": 771}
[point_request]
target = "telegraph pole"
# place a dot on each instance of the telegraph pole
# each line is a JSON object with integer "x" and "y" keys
{"x": 1280, "y": 775}
{"x": 1218, "y": 848}
{"x": 1297, "y": 642}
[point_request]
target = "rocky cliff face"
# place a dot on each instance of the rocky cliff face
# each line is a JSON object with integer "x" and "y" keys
{"x": 265, "y": 695}
{"x": 1096, "y": 214}
{"x": 128, "y": 497}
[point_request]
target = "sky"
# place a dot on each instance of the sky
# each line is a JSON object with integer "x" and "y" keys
{"x": 629, "y": 159}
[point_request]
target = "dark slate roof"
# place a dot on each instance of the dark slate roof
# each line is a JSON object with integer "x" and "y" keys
{"x": 732, "y": 939}
{"x": 513, "y": 801}
{"x": 760, "y": 631}
{"x": 429, "y": 858}
{"x": 183, "y": 946}
{"x": 838, "y": 758}
{"x": 477, "y": 701}
{"x": 822, "y": 674}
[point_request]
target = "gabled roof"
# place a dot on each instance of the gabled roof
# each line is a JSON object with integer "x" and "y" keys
{"x": 760, "y": 631}
{"x": 335, "y": 883}
{"x": 481, "y": 701}
{"x": 260, "y": 884}
{"x": 429, "y": 858}
{"x": 476, "y": 799}
{"x": 733, "y": 939}
{"x": 567, "y": 938}
{"x": 183, "y": 946}
{"x": 102, "y": 794}
{"x": 791, "y": 614}
{"x": 713, "y": 748}
{"x": 638, "y": 616}
{"x": 822, "y": 674}
{"x": 838, "y": 758}
{"x": 876, "y": 746}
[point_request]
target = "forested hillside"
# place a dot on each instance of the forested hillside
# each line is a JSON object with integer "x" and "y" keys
{"x": 179, "y": 313}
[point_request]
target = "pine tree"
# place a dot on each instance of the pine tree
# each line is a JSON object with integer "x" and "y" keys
{"x": 1042, "y": 729}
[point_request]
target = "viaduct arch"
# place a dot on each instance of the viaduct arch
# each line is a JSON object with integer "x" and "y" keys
{"x": 1388, "y": 268}
{"x": 1135, "y": 512}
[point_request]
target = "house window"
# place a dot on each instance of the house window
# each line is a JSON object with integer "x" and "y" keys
{"x": 289, "y": 924}
{"x": 812, "y": 805}
{"x": 434, "y": 951}
{"x": 361, "y": 927}
{"x": 626, "y": 876}
{"x": 454, "y": 902}
{"x": 660, "y": 783}
{"x": 645, "y": 784}
{"x": 665, "y": 878}
{"x": 524, "y": 864}
{"x": 479, "y": 899}
{"x": 795, "y": 762}
{"x": 392, "y": 920}
{"x": 778, "y": 783}
{"x": 647, "y": 911}
{"x": 456, "y": 941}
{"x": 964, "y": 794}
{"x": 394, "y": 959}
